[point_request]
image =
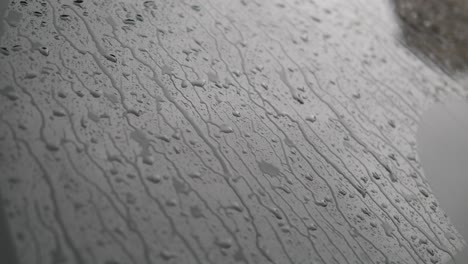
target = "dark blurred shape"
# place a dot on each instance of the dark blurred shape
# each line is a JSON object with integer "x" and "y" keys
{"x": 7, "y": 252}
{"x": 437, "y": 30}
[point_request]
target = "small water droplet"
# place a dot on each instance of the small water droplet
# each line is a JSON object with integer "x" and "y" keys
{"x": 4, "y": 51}
{"x": 111, "y": 58}
{"x": 171, "y": 202}
{"x": 388, "y": 229}
{"x": 198, "y": 83}
{"x": 58, "y": 113}
{"x": 96, "y": 93}
{"x": 321, "y": 203}
{"x": 154, "y": 178}
{"x": 276, "y": 213}
{"x": 9, "y": 92}
{"x": 226, "y": 129}
{"x": 167, "y": 255}
{"x": 44, "y": 51}
{"x": 311, "y": 118}
{"x": 148, "y": 160}
{"x": 30, "y": 75}
{"x": 52, "y": 147}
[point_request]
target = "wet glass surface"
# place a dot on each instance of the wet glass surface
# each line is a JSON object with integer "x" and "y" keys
{"x": 443, "y": 146}
{"x": 221, "y": 132}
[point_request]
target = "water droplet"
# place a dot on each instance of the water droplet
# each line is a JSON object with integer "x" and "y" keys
{"x": 311, "y": 227}
{"x": 166, "y": 70}
{"x": 9, "y": 92}
{"x": 148, "y": 160}
{"x": 154, "y": 178}
{"x": 268, "y": 168}
{"x": 133, "y": 111}
{"x": 236, "y": 206}
{"x": 276, "y": 213}
{"x": 65, "y": 17}
{"x": 111, "y": 58}
{"x": 195, "y": 175}
{"x": 58, "y": 113}
{"x": 226, "y": 129}
{"x": 224, "y": 243}
{"x": 171, "y": 202}
{"x": 423, "y": 192}
{"x": 52, "y": 147}
{"x": 129, "y": 21}
{"x": 196, "y": 212}
{"x": 96, "y": 93}
{"x": 44, "y": 51}
{"x": 376, "y": 175}
{"x": 388, "y": 229}
{"x": 311, "y": 118}
{"x": 30, "y": 75}
{"x": 13, "y": 18}
{"x": 198, "y": 83}
{"x": 196, "y": 8}
{"x": 213, "y": 77}
{"x": 321, "y": 203}
{"x": 167, "y": 255}
{"x": 4, "y": 51}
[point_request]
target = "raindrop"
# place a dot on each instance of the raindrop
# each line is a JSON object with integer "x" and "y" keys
{"x": 376, "y": 175}
{"x": 167, "y": 255}
{"x": 321, "y": 203}
{"x": 111, "y": 58}
{"x": 171, "y": 202}
{"x": 198, "y": 83}
{"x": 148, "y": 160}
{"x": 196, "y": 8}
{"x": 226, "y": 129}
{"x": 52, "y": 147}
{"x": 4, "y": 51}
{"x": 96, "y": 93}
{"x": 276, "y": 213}
{"x": 388, "y": 229}
{"x": 13, "y": 18}
{"x": 195, "y": 175}
{"x": 8, "y": 92}
{"x": 154, "y": 178}
{"x": 133, "y": 111}
{"x": 311, "y": 118}
{"x": 312, "y": 227}
{"x": 30, "y": 75}
{"x": 423, "y": 192}
{"x": 236, "y": 206}
{"x": 58, "y": 113}
{"x": 129, "y": 21}
{"x": 44, "y": 51}
{"x": 65, "y": 17}
{"x": 166, "y": 70}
